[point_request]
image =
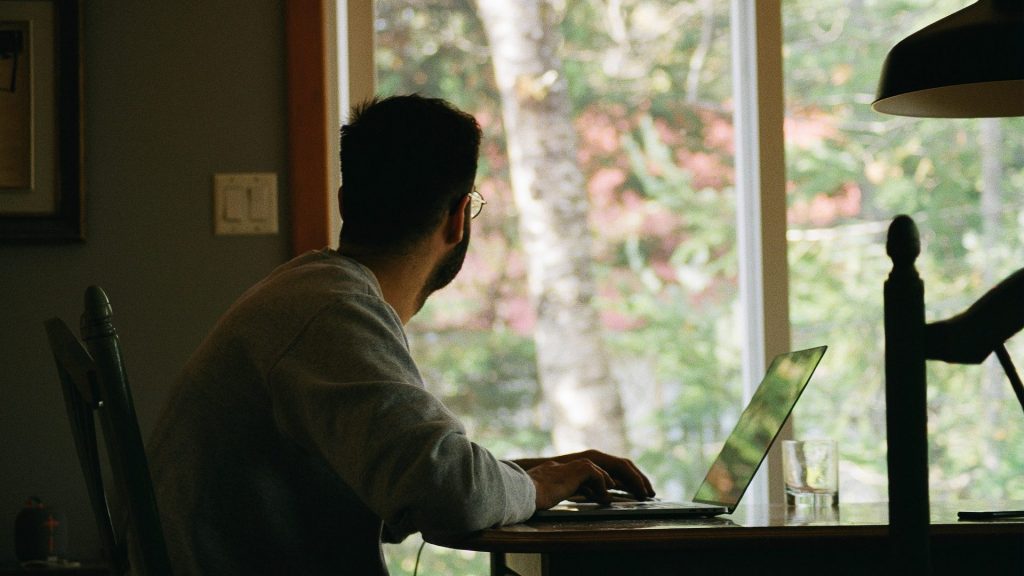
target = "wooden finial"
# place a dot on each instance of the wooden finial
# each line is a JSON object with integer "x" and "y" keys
{"x": 903, "y": 244}
{"x": 96, "y": 314}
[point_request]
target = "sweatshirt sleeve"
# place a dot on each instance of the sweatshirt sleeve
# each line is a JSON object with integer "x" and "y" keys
{"x": 348, "y": 390}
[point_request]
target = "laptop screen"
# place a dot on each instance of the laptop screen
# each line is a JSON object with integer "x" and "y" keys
{"x": 760, "y": 423}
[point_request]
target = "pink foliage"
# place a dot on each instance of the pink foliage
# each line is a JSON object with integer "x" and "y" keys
{"x": 492, "y": 291}
{"x": 823, "y": 209}
{"x": 809, "y": 129}
{"x": 619, "y": 322}
{"x": 517, "y": 313}
{"x": 599, "y": 132}
{"x": 612, "y": 290}
{"x": 659, "y": 222}
{"x": 671, "y": 135}
{"x": 486, "y": 118}
{"x": 718, "y": 134}
{"x": 664, "y": 270}
{"x": 707, "y": 170}
{"x": 602, "y": 185}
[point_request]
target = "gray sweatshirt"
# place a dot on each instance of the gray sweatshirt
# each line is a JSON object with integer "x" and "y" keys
{"x": 301, "y": 424}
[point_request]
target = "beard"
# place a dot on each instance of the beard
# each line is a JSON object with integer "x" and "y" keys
{"x": 447, "y": 269}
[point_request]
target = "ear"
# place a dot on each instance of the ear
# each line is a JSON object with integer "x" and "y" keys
{"x": 455, "y": 222}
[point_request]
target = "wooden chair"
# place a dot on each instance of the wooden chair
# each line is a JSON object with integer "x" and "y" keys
{"x": 94, "y": 382}
{"x": 967, "y": 338}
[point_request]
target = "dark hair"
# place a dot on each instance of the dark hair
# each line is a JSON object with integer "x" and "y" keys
{"x": 405, "y": 162}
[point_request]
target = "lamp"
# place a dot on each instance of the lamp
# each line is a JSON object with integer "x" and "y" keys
{"x": 969, "y": 64}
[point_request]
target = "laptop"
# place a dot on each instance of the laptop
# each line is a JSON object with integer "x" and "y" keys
{"x": 734, "y": 467}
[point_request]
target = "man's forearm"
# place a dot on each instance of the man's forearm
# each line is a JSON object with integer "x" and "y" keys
{"x": 527, "y": 463}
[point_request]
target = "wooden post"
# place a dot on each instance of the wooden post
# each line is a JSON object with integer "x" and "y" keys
{"x": 906, "y": 402}
{"x": 128, "y": 463}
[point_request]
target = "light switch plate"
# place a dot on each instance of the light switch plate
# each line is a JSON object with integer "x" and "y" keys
{"x": 245, "y": 203}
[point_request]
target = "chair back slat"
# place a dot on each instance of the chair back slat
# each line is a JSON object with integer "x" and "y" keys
{"x": 108, "y": 393}
{"x": 77, "y": 377}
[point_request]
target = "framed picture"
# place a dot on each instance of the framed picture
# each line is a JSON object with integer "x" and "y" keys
{"x": 41, "y": 196}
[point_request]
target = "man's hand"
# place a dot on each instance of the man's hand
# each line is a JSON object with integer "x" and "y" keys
{"x": 556, "y": 482}
{"x": 590, "y": 473}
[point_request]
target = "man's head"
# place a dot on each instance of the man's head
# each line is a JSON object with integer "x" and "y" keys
{"x": 406, "y": 162}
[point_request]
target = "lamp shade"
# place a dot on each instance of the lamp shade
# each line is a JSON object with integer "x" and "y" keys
{"x": 969, "y": 64}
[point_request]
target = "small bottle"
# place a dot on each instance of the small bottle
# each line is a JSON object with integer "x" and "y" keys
{"x": 40, "y": 533}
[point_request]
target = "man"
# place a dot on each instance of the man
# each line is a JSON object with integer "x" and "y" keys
{"x": 300, "y": 433}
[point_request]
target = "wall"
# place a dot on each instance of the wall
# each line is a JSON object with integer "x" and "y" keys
{"x": 174, "y": 92}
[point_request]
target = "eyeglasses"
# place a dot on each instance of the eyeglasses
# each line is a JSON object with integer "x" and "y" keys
{"x": 476, "y": 203}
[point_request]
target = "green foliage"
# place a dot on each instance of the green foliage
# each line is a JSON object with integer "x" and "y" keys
{"x": 489, "y": 378}
{"x": 433, "y": 560}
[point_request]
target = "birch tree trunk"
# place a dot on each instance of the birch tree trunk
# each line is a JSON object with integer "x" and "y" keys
{"x": 553, "y": 206}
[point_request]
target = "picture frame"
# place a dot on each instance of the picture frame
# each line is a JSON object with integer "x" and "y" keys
{"x": 41, "y": 152}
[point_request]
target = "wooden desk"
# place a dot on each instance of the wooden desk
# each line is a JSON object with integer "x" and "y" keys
{"x": 770, "y": 540}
